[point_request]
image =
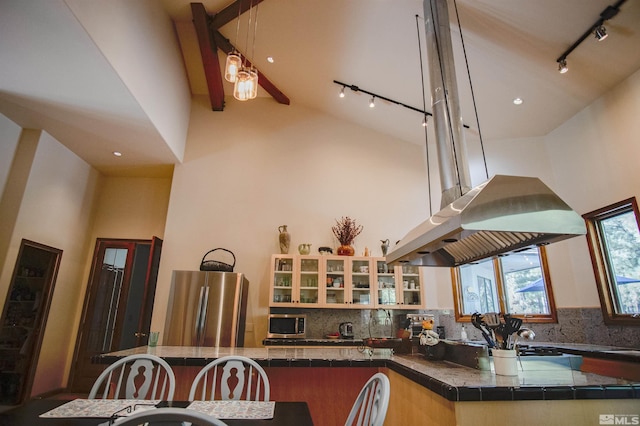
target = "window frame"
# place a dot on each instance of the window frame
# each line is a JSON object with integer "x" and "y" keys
{"x": 600, "y": 263}
{"x": 551, "y": 317}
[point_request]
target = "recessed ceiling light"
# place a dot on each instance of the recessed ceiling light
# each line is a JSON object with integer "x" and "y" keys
{"x": 117, "y": 153}
{"x": 270, "y": 59}
{"x": 517, "y": 101}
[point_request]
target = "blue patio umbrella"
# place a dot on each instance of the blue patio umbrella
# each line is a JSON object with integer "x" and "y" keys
{"x": 538, "y": 285}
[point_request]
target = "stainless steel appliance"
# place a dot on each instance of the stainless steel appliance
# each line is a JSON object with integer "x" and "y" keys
{"x": 503, "y": 214}
{"x": 287, "y": 326}
{"x": 346, "y": 330}
{"x": 206, "y": 309}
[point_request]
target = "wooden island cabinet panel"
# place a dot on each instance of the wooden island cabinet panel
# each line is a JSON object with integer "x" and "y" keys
{"x": 329, "y": 391}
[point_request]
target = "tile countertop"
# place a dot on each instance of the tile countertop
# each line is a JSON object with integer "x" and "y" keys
{"x": 545, "y": 381}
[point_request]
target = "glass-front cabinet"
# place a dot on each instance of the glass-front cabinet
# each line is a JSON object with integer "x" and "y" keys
{"x": 386, "y": 284}
{"x": 399, "y": 287}
{"x": 309, "y": 279}
{"x": 343, "y": 282}
{"x": 411, "y": 288}
{"x": 281, "y": 280}
{"x": 335, "y": 279}
{"x": 360, "y": 290}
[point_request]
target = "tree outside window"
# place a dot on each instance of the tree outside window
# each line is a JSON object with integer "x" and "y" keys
{"x": 613, "y": 234}
{"x": 517, "y": 283}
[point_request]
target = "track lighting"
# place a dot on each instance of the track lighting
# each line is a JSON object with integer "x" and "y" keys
{"x": 597, "y": 29}
{"x": 424, "y": 121}
{"x": 562, "y": 66}
{"x": 372, "y": 100}
{"x": 600, "y": 33}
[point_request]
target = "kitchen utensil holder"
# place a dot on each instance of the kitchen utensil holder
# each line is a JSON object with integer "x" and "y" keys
{"x": 505, "y": 362}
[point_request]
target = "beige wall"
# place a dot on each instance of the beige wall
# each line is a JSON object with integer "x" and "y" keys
{"x": 259, "y": 165}
{"x": 9, "y": 135}
{"x": 56, "y": 199}
{"x": 138, "y": 40}
{"x": 56, "y": 211}
{"x": 594, "y": 156}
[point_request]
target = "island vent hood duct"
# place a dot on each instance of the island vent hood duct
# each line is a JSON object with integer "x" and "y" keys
{"x": 502, "y": 215}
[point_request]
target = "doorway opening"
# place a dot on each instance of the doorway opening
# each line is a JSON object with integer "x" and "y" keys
{"x": 24, "y": 317}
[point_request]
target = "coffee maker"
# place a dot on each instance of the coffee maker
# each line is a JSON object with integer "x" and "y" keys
{"x": 346, "y": 330}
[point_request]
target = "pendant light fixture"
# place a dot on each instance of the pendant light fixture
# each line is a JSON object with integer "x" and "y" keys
{"x": 234, "y": 61}
{"x": 253, "y": 72}
{"x": 243, "y": 84}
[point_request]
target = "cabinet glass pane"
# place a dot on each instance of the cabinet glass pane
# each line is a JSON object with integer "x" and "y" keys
{"x": 386, "y": 284}
{"x": 335, "y": 296}
{"x": 309, "y": 276}
{"x": 360, "y": 282}
{"x": 411, "y": 285}
{"x": 283, "y": 280}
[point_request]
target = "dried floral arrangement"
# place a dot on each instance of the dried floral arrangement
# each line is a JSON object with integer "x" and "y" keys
{"x": 346, "y": 230}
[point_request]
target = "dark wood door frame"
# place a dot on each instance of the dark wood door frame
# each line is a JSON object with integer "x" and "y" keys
{"x": 40, "y": 324}
{"x": 82, "y": 372}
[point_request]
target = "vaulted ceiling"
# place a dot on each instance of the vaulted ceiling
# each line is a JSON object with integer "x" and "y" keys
{"x": 58, "y": 75}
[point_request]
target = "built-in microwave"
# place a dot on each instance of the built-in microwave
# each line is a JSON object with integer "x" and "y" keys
{"x": 287, "y": 326}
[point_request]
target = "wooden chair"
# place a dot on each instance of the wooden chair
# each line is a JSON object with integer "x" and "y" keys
{"x": 171, "y": 414}
{"x": 371, "y": 404}
{"x": 142, "y": 376}
{"x": 231, "y": 377}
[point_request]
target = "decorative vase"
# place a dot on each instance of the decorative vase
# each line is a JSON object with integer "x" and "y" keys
{"x": 304, "y": 248}
{"x": 346, "y": 250}
{"x": 384, "y": 246}
{"x": 284, "y": 238}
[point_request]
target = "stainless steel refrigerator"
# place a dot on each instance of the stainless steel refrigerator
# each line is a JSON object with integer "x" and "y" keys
{"x": 206, "y": 309}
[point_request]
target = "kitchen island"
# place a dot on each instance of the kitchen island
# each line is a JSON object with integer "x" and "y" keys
{"x": 423, "y": 391}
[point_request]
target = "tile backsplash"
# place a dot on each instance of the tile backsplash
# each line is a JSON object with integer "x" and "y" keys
{"x": 575, "y": 325}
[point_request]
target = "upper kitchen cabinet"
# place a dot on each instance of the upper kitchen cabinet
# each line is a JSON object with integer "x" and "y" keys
{"x": 343, "y": 282}
{"x": 400, "y": 287}
{"x": 348, "y": 282}
{"x": 294, "y": 280}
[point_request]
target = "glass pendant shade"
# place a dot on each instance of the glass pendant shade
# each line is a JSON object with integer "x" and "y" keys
{"x": 253, "y": 83}
{"x": 232, "y": 67}
{"x": 241, "y": 87}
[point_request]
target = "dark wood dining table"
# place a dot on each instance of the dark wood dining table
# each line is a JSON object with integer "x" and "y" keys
{"x": 28, "y": 414}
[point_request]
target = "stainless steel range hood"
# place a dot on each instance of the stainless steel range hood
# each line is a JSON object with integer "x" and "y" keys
{"x": 502, "y": 215}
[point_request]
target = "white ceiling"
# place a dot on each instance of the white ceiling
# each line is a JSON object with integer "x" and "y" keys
{"x": 55, "y": 77}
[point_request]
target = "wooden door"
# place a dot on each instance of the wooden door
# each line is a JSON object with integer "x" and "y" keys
{"x": 118, "y": 304}
{"x": 24, "y": 318}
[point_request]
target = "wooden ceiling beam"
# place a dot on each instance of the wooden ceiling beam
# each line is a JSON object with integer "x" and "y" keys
{"x": 209, "y": 53}
{"x": 226, "y": 46}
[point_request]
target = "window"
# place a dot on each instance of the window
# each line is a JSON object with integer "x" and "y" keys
{"x": 614, "y": 243}
{"x": 517, "y": 283}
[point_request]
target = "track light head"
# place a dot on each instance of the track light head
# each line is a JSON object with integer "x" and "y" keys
{"x": 424, "y": 121}
{"x": 372, "y": 102}
{"x": 562, "y": 66}
{"x": 341, "y": 92}
{"x": 600, "y": 33}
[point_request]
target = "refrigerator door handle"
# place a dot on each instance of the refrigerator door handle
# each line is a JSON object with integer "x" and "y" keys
{"x": 203, "y": 317}
{"x": 198, "y": 317}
